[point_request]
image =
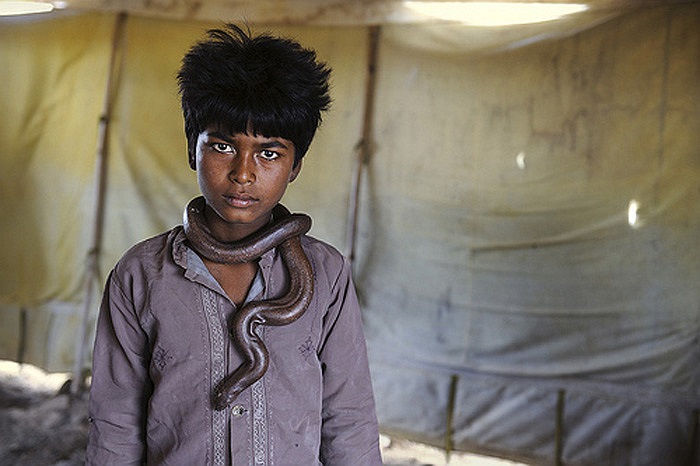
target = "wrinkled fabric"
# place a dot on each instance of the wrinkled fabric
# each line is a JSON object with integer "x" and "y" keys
{"x": 495, "y": 257}
{"x": 162, "y": 346}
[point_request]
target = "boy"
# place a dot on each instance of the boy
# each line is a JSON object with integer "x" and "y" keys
{"x": 167, "y": 350}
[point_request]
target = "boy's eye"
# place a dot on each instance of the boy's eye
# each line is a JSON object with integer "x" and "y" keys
{"x": 268, "y": 154}
{"x": 222, "y": 147}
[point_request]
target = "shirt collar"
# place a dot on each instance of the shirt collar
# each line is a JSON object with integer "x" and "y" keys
{"x": 195, "y": 270}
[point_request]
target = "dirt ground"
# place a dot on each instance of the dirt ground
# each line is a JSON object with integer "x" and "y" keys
{"x": 41, "y": 425}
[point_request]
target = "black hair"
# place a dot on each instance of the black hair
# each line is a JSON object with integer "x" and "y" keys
{"x": 267, "y": 85}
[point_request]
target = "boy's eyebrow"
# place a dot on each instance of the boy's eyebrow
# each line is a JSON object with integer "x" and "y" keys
{"x": 271, "y": 144}
{"x": 220, "y": 135}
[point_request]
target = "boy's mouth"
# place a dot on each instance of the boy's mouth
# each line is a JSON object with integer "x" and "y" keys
{"x": 239, "y": 199}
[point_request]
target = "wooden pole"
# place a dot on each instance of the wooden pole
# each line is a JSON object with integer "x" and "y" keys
{"x": 559, "y": 428}
{"x": 449, "y": 428}
{"x": 694, "y": 418}
{"x": 92, "y": 274}
{"x": 365, "y": 146}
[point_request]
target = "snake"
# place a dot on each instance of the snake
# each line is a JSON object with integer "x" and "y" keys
{"x": 284, "y": 232}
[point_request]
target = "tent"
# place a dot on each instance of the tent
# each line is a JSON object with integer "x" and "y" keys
{"x": 521, "y": 205}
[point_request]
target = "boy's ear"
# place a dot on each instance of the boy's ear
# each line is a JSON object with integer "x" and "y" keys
{"x": 192, "y": 157}
{"x": 295, "y": 171}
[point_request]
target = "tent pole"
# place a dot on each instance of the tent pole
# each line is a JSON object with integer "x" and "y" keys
{"x": 92, "y": 261}
{"x": 364, "y": 147}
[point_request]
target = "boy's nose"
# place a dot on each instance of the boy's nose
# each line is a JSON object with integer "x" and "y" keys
{"x": 242, "y": 169}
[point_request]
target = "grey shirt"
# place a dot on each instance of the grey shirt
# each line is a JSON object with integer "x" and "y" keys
{"x": 162, "y": 346}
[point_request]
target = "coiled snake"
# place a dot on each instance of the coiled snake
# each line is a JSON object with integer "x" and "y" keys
{"x": 284, "y": 231}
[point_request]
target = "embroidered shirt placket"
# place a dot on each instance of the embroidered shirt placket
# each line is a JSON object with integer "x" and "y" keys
{"x": 260, "y": 426}
{"x": 262, "y": 446}
{"x": 218, "y": 372}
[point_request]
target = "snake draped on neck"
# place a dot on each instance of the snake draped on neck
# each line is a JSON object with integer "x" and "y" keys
{"x": 284, "y": 232}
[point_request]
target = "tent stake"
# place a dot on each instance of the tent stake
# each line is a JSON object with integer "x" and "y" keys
{"x": 22, "y": 349}
{"x": 559, "y": 428}
{"x": 694, "y": 438}
{"x": 449, "y": 428}
{"x": 92, "y": 261}
{"x": 364, "y": 147}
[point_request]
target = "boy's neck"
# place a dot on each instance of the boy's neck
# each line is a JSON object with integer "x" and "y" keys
{"x": 235, "y": 279}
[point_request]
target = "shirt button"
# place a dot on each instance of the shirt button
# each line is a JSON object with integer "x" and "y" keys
{"x": 237, "y": 411}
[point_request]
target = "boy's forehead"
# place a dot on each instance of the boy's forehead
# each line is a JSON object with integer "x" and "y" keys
{"x": 223, "y": 130}
{"x": 231, "y": 130}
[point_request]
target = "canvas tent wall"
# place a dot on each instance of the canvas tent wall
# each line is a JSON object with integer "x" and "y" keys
{"x": 516, "y": 301}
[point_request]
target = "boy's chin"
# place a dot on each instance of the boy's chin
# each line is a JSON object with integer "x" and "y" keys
{"x": 237, "y": 221}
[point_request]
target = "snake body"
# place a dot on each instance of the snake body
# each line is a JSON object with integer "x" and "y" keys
{"x": 284, "y": 232}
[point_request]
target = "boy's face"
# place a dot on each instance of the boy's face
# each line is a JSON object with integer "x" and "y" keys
{"x": 242, "y": 178}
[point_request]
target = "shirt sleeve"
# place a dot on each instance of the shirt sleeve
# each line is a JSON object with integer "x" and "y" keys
{"x": 120, "y": 382}
{"x": 349, "y": 435}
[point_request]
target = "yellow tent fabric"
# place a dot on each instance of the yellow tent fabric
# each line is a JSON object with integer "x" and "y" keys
{"x": 528, "y": 239}
{"x": 54, "y": 74}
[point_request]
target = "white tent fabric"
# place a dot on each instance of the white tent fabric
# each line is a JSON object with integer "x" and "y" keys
{"x": 528, "y": 253}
